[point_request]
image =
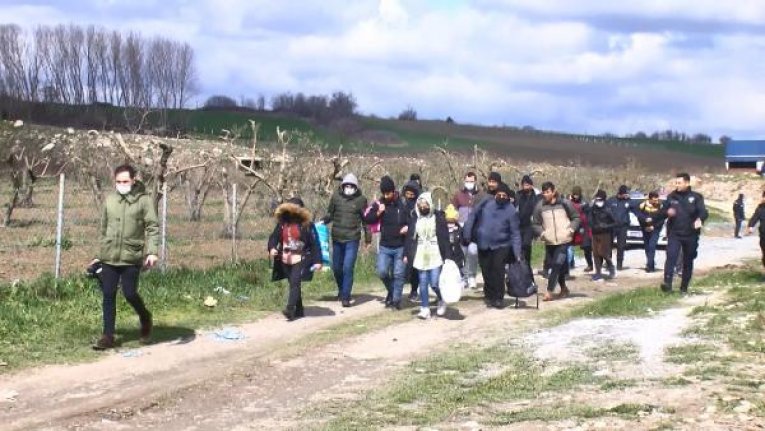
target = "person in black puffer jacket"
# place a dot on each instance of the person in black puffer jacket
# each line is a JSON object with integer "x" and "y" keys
{"x": 602, "y": 224}
{"x": 621, "y": 207}
{"x": 346, "y": 213}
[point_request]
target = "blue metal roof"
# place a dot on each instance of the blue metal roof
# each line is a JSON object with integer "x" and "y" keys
{"x": 745, "y": 150}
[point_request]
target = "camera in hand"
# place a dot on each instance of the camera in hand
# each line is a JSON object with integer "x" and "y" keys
{"x": 94, "y": 270}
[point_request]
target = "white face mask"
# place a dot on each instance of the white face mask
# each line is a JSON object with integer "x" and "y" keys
{"x": 124, "y": 189}
{"x": 349, "y": 190}
{"x": 469, "y": 186}
{"x": 599, "y": 204}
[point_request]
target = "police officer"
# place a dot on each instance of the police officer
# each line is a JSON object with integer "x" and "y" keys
{"x": 685, "y": 213}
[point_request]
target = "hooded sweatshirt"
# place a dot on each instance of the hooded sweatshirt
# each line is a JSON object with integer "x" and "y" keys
{"x": 129, "y": 228}
{"x": 427, "y": 241}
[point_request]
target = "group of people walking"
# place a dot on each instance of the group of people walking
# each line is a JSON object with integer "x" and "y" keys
{"x": 485, "y": 228}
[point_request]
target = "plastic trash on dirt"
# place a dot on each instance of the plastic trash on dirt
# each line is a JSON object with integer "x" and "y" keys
{"x": 132, "y": 354}
{"x": 210, "y": 302}
{"x": 228, "y": 334}
{"x": 8, "y": 395}
{"x": 222, "y": 290}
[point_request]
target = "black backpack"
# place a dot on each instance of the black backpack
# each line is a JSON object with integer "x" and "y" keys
{"x": 520, "y": 281}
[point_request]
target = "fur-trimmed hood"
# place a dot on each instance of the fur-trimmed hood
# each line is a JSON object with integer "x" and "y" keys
{"x": 292, "y": 213}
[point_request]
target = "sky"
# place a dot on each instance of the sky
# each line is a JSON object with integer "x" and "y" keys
{"x": 582, "y": 66}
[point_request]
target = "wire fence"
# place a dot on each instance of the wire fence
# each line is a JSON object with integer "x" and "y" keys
{"x": 57, "y": 231}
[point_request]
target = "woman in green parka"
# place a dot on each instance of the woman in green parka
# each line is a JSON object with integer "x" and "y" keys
{"x": 129, "y": 240}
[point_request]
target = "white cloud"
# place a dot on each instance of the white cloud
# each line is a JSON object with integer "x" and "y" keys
{"x": 553, "y": 64}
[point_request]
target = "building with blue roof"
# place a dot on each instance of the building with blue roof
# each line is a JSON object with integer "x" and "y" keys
{"x": 745, "y": 155}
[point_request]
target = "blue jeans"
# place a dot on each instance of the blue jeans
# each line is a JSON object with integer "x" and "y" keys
{"x": 392, "y": 271}
{"x": 428, "y": 279}
{"x": 343, "y": 261}
{"x": 651, "y": 240}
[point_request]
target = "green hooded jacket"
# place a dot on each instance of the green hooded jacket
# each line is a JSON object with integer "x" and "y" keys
{"x": 129, "y": 228}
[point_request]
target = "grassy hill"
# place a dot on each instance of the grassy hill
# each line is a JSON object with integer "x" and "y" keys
{"x": 414, "y": 137}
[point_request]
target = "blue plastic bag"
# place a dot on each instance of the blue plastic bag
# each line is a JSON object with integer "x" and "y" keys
{"x": 323, "y": 232}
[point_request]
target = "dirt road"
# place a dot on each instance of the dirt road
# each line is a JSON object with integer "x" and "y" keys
{"x": 279, "y": 368}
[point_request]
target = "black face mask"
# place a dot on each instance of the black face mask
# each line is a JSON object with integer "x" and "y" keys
{"x": 425, "y": 211}
{"x": 502, "y": 201}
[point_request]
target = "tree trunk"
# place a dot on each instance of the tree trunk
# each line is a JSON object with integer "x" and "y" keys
{"x": 13, "y": 199}
{"x": 27, "y": 190}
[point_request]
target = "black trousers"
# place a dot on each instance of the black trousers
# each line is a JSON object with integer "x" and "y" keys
{"x": 295, "y": 279}
{"x": 620, "y": 233}
{"x": 493, "y": 269}
{"x": 688, "y": 247}
{"x": 737, "y": 227}
{"x": 762, "y": 248}
{"x": 111, "y": 278}
{"x": 557, "y": 257}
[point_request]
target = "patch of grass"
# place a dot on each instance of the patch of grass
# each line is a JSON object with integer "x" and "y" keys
{"x": 570, "y": 411}
{"x": 688, "y": 353}
{"x": 632, "y": 303}
{"x": 676, "y": 381}
{"x": 436, "y": 387}
{"x": 44, "y": 321}
{"x": 613, "y": 385}
{"x": 708, "y": 372}
{"x": 613, "y": 351}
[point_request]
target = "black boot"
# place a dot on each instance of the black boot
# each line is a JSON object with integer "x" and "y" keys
{"x": 290, "y": 312}
{"x": 666, "y": 287}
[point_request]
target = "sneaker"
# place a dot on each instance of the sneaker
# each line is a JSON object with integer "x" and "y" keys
{"x": 395, "y": 305}
{"x": 588, "y": 269}
{"x": 666, "y": 288}
{"x": 498, "y": 304}
{"x": 104, "y": 343}
{"x": 424, "y": 313}
{"x": 597, "y": 277}
{"x": 413, "y": 297}
{"x": 472, "y": 283}
{"x": 611, "y": 273}
{"x": 564, "y": 292}
{"x": 346, "y": 303}
{"x": 146, "y": 328}
{"x": 441, "y": 310}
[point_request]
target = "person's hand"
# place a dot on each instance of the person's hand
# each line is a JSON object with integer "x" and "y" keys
{"x": 274, "y": 252}
{"x": 316, "y": 267}
{"x": 697, "y": 224}
{"x": 648, "y": 220}
{"x": 151, "y": 260}
{"x": 671, "y": 212}
{"x": 404, "y": 230}
{"x": 748, "y": 231}
{"x": 649, "y": 229}
{"x": 380, "y": 208}
{"x": 405, "y": 260}
{"x": 95, "y": 261}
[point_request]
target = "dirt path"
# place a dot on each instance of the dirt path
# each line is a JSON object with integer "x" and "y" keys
{"x": 280, "y": 367}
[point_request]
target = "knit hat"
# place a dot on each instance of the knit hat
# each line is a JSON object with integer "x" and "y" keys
{"x": 495, "y": 176}
{"x": 601, "y": 194}
{"x": 350, "y": 179}
{"x": 451, "y": 213}
{"x": 502, "y": 187}
{"x": 527, "y": 180}
{"x": 623, "y": 190}
{"x": 297, "y": 201}
{"x": 576, "y": 191}
{"x": 386, "y": 185}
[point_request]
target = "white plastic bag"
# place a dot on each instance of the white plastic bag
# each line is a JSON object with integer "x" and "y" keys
{"x": 450, "y": 282}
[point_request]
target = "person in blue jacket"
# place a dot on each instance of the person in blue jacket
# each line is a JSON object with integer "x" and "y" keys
{"x": 495, "y": 228}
